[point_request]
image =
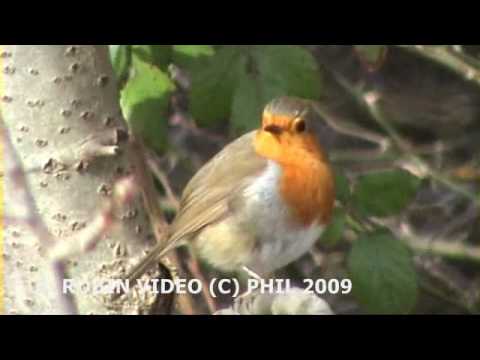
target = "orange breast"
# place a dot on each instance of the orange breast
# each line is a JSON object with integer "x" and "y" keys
{"x": 309, "y": 190}
{"x": 307, "y": 182}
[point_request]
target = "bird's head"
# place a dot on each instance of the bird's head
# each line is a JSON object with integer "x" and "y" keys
{"x": 286, "y": 132}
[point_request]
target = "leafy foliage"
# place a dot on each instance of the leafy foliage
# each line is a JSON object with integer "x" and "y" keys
{"x": 213, "y": 86}
{"x": 342, "y": 187}
{"x": 192, "y": 57}
{"x": 273, "y": 71}
{"x": 158, "y": 55}
{"x": 334, "y": 232}
{"x": 120, "y": 55}
{"x": 144, "y": 102}
{"x": 383, "y": 275}
{"x": 386, "y": 193}
{"x": 227, "y": 82}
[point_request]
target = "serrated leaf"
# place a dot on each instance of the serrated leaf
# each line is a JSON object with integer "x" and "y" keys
{"x": 120, "y": 56}
{"x": 274, "y": 70}
{"x": 159, "y": 55}
{"x": 213, "y": 87}
{"x": 383, "y": 275}
{"x": 144, "y": 102}
{"x": 385, "y": 193}
{"x": 335, "y": 230}
{"x": 190, "y": 57}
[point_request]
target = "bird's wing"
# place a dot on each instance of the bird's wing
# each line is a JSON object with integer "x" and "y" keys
{"x": 213, "y": 192}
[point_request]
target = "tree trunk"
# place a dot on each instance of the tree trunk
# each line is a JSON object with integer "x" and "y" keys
{"x": 60, "y": 107}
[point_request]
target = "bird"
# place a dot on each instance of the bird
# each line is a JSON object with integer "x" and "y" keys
{"x": 261, "y": 203}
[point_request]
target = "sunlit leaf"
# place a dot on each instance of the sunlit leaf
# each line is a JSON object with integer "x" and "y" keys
{"x": 144, "y": 102}
{"x": 190, "y": 57}
{"x": 120, "y": 55}
{"x": 159, "y": 55}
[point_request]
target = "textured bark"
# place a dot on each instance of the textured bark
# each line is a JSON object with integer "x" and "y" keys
{"x": 60, "y": 105}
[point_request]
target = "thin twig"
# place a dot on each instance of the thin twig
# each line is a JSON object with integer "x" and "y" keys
{"x": 160, "y": 175}
{"x": 350, "y": 129}
{"x": 443, "y": 56}
{"x": 452, "y": 250}
{"x": 194, "y": 267}
{"x": 192, "y": 264}
{"x": 155, "y": 213}
{"x": 371, "y": 101}
{"x": 432, "y": 291}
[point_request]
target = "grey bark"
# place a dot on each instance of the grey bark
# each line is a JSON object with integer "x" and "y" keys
{"x": 60, "y": 106}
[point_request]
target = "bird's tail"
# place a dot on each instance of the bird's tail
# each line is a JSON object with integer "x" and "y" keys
{"x": 155, "y": 255}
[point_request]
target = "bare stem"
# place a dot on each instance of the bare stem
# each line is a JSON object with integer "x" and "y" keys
{"x": 443, "y": 56}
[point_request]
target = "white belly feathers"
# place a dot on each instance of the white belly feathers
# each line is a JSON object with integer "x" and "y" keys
{"x": 278, "y": 243}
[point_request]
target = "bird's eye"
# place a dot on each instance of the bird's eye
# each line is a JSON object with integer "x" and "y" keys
{"x": 300, "y": 126}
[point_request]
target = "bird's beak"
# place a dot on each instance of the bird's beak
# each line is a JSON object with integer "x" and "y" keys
{"x": 273, "y": 129}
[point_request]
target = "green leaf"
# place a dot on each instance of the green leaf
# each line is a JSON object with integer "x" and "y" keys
{"x": 191, "y": 57}
{"x": 385, "y": 193}
{"x": 342, "y": 187}
{"x": 288, "y": 70}
{"x": 213, "y": 87}
{"x": 159, "y": 55}
{"x": 120, "y": 56}
{"x": 144, "y": 102}
{"x": 334, "y": 232}
{"x": 248, "y": 103}
{"x": 273, "y": 71}
{"x": 382, "y": 273}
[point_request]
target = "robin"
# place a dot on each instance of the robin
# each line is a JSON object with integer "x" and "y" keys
{"x": 259, "y": 204}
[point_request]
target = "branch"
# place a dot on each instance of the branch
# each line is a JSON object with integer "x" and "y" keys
{"x": 443, "y": 56}
{"x": 371, "y": 101}
{"x": 192, "y": 263}
{"x": 156, "y": 216}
